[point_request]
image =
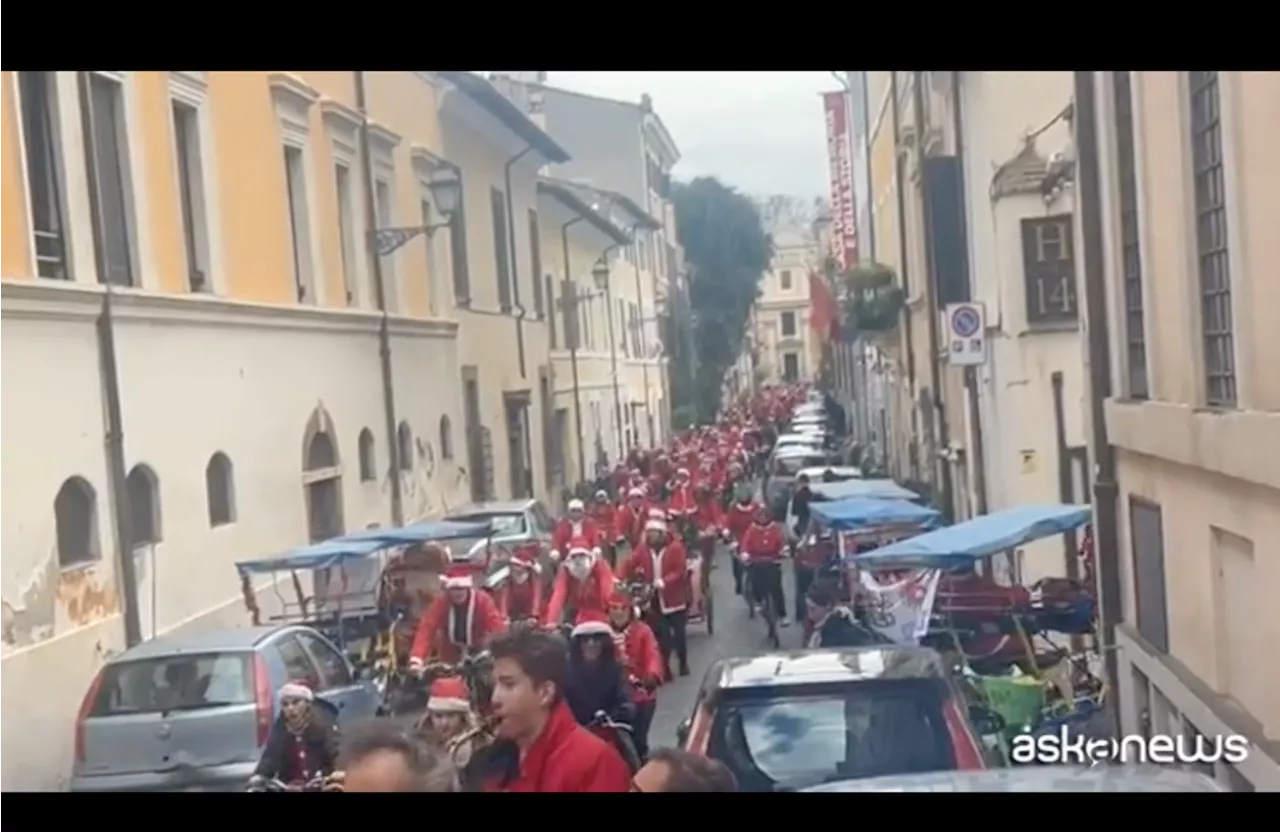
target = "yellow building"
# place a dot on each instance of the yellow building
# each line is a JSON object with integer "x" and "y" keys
{"x": 789, "y": 350}
{"x": 225, "y": 212}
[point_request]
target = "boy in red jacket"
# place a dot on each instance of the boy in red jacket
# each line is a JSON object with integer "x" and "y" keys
{"x": 762, "y": 547}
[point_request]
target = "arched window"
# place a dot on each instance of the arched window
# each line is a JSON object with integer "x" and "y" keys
{"x": 144, "y": 504}
{"x": 75, "y": 512}
{"x": 404, "y": 446}
{"x": 320, "y": 453}
{"x": 219, "y": 485}
{"x": 368, "y": 465}
{"x": 446, "y": 438}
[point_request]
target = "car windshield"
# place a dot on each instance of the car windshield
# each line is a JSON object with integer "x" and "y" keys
{"x": 185, "y": 682}
{"x": 503, "y": 524}
{"x": 789, "y": 466}
{"x": 867, "y": 729}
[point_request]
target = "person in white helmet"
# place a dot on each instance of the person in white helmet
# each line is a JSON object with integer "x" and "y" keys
{"x": 576, "y": 525}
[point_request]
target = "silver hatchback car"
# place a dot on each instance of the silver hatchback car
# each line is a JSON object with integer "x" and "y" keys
{"x": 192, "y": 712}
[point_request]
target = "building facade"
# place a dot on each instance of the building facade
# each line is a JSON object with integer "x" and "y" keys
{"x": 1190, "y": 254}
{"x": 789, "y": 350}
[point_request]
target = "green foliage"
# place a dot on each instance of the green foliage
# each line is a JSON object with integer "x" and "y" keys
{"x": 726, "y": 251}
{"x": 871, "y": 298}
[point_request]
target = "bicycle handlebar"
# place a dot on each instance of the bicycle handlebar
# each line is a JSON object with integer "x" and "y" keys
{"x": 603, "y": 720}
{"x": 275, "y": 784}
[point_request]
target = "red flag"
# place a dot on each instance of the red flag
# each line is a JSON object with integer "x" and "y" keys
{"x": 824, "y": 312}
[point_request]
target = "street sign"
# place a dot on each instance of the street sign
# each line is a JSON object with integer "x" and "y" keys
{"x": 966, "y": 334}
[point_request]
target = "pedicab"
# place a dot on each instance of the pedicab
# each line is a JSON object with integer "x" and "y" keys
{"x": 1000, "y": 636}
{"x": 367, "y": 589}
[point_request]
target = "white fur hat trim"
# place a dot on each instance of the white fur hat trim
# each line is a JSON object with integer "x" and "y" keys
{"x": 459, "y": 582}
{"x": 592, "y": 628}
{"x": 292, "y": 690}
{"x": 448, "y": 706}
{"x": 655, "y": 525}
{"x": 576, "y": 505}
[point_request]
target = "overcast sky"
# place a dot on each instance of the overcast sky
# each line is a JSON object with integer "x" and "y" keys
{"x": 762, "y": 132}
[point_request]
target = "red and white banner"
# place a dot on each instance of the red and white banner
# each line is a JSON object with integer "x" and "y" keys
{"x": 844, "y": 211}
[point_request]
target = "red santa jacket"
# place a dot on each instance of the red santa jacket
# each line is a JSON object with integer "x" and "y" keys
{"x": 567, "y": 758}
{"x": 708, "y": 516}
{"x": 763, "y": 543}
{"x": 604, "y": 514}
{"x": 568, "y": 532}
{"x": 518, "y": 601}
{"x": 682, "y": 500}
{"x": 739, "y": 518}
{"x": 642, "y": 658}
{"x": 670, "y": 566}
{"x": 590, "y": 593}
{"x": 449, "y": 629}
{"x": 628, "y": 522}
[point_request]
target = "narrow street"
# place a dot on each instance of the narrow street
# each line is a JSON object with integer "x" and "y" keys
{"x": 736, "y": 635}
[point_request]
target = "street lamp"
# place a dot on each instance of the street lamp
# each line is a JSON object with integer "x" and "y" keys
{"x": 600, "y": 274}
{"x": 445, "y": 187}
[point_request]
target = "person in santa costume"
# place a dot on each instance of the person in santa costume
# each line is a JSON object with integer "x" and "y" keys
{"x": 451, "y": 723}
{"x": 575, "y": 525}
{"x": 709, "y": 521}
{"x": 462, "y": 620}
{"x": 763, "y": 546}
{"x": 603, "y": 511}
{"x": 597, "y": 679}
{"x": 582, "y": 583}
{"x": 662, "y": 563}
{"x": 628, "y": 520}
{"x": 303, "y": 742}
{"x": 640, "y": 655}
{"x": 521, "y": 598}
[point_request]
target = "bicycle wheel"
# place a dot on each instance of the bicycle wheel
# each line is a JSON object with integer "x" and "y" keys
{"x": 771, "y": 621}
{"x": 747, "y": 593}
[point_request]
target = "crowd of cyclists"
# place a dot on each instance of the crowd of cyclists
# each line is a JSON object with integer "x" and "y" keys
{"x": 573, "y": 663}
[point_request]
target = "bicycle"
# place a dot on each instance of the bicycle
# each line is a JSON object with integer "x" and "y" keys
{"x": 621, "y": 738}
{"x": 274, "y": 784}
{"x": 767, "y": 610}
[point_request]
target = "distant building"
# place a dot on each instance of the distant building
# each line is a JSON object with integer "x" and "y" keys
{"x": 787, "y": 347}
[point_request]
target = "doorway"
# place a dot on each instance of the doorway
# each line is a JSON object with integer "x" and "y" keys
{"x": 790, "y": 367}
{"x": 519, "y": 458}
{"x": 322, "y": 491}
{"x": 472, "y": 426}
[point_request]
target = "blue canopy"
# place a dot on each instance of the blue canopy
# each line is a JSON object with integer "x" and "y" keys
{"x": 862, "y": 512}
{"x": 981, "y": 537}
{"x": 875, "y": 489}
{"x": 358, "y": 545}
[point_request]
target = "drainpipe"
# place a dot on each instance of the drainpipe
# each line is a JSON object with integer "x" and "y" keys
{"x": 644, "y": 350}
{"x": 109, "y": 375}
{"x": 866, "y": 155}
{"x": 1105, "y": 488}
{"x": 613, "y": 354}
{"x": 380, "y": 288}
{"x": 931, "y": 295}
{"x": 979, "y": 455}
{"x": 569, "y": 302}
{"x": 900, "y": 178}
{"x": 513, "y": 260}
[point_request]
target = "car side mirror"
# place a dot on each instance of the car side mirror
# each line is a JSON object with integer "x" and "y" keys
{"x": 682, "y": 732}
{"x": 985, "y": 721}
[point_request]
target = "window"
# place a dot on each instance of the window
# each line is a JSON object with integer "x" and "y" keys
{"x": 75, "y": 512}
{"x": 1146, "y": 531}
{"x": 788, "y": 324}
{"x": 446, "y": 438}
{"x": 820, "y": 734}
{"x": 1130, "y": 250}
{"x": 299, "y": 221}
{"x": 549, "y": 293}
{"x": 501, "y": 252}
{"x": 107, "y": 156}
{"x": 404, "y": 446}
{"x": 1049, "y": 269}
{"x": 334, "y": 670}
{"x": 191, "y": 191}
{"x": 784, "y": 280}
{"x": 219, "y": 485}
{"x": 791, "y": 367}
{"x": 39, "y": 102}
{"x": 458, "y": 247}
{"x": 368, "y": 463}
{"x": 298, "y": 666}
{"x": 175, "y": 683}
{"x": 346, "y": 228}
{"x": 1211, "y": 240}
{"x": 384, "y": 205}
{"x": 144, "y": 505}
{"x": 535, "y": 257}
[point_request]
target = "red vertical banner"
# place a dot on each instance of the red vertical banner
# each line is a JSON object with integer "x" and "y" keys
{"x": 844, "y": 213}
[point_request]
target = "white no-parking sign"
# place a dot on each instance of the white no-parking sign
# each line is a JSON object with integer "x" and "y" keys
{"x": 966, "y": 334}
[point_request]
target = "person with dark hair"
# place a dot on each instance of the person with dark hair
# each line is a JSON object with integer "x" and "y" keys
{"x": 302, "y": 744}
{"x": 541, "y": 747}
{"x": 832, "y": 623}
{"x": 381, "y": 756}
{"x": 675, "y": 770}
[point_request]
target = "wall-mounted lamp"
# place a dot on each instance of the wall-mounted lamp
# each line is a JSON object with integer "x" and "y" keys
{"x": 600, "y": 274}
{"x": 445, "y": 187}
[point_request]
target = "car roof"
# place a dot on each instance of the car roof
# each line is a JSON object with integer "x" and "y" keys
{"x": 824, "y": 666}
{"x": 816, "y": 472}
{"x": 796, "y": 439}
{"x": 1035, "y": 779}
{"x": 495, "y": 507}
{"x": 221, "y": 640}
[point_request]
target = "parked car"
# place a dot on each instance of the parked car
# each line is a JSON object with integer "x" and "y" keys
{"x": 785, "y": 721}
{"x": 513, "y": 522}
{"x": 783, "y": 467}
{"x": 192, "y": 712}
{"x": 1127, "y": 779}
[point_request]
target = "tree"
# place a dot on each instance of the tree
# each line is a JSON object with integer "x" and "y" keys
{"x": 727, "y": 252}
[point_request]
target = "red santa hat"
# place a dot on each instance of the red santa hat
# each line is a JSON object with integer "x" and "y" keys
{"x": 579, "y": 546}
{"x": 458, "y": 576}
{"x": 296, "y": 690}
{"x": 449, "y": 695}
{"x": 525, "y": 556}
{"x": 657, "y": 522}
{"x": 592, "y": 623}
{"x": 620, "y": 598}
{"x": 636, "y": 491}
{"x": 576, "y": 505}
